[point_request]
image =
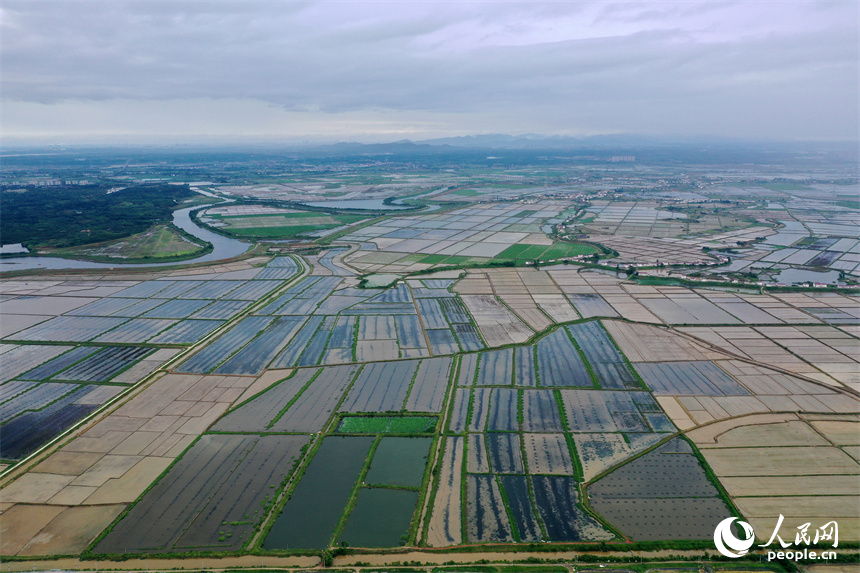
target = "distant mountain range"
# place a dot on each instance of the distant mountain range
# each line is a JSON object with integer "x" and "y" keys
{"x": 510, "y": 149}
{"x": 526, "y": 141}
{"x": 536, "y": 141}
{"x": 528, "y": 148}
{"x": 533, "y": 141}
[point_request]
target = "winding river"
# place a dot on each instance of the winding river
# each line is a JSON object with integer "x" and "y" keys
{"x": 224, "y": 248}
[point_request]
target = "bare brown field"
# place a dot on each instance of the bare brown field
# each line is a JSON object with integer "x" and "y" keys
{"x": 680, "y": 417}
{"x": 840, "y": 433}
{"x": 498, "y": 325}
{"x": 72, "y": 530}
{"x": 809, "y": 507}
{"x": 853, "y": 451}
{"x": 22, "y": 523}
{"x": 769, "y": 467}
{"x": 644, "y": 343}
{"x": 444, "y": 527}
{"x": 708, "y": 436}
{"x": 780, "y": 461}
{"x": 113, "y": 461}
{"x": 68, "y": 463}
{"x": 795, "y": 433}
{"x": 828, "y": 360}
{"x": 265, "y": 380}
{"x": 791, "y": 485}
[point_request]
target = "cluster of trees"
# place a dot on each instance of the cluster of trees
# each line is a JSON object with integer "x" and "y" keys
{"x": 70, "y": 216}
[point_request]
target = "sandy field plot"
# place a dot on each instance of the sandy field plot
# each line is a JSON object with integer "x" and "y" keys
{"x": 842, "y": 433}
{"x": 524, "y": 306}
{"x": 556, "y": 306}
{"x": 830, "y": 506}
{"x": 446, "y": 522}
{"x": 846, "y": 485}
{"x": 498, "y": 325}
{"x": 643, "y": 343}
{"x": 781, "y": 461}
{"x": 72, "y": 530}
{"x": 13, "y": 323}
{"x": 849, "y": 527}
{"x": 796, "y": 433}
{"x": 769, "y": 346}
{"x": 22, "y": 523}
{"x": 767, "y": 465}
{"x": 117, "y": 458}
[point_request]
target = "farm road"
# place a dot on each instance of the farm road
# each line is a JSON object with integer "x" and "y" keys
{"x": 303, "y": 562}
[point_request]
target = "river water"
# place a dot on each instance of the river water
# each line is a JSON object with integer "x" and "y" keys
{"x": 378, "y": 204}
{"x": 224, "y": 248}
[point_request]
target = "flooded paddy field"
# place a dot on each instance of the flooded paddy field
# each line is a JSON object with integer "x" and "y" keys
{"x": 399, "y": 461}
{"x": 700, "y": 378}
{"x": 526, "y": 526}
{"x": 43, "y": 402}
{"x": 40, "y": 416}
{"x": 381, "y": 387}
{"x": 430, "y": 385}
{"x": 382, "y": 515}
{"x": 373, "y": 494}
{"x": 556, "y": 498}
{"x": 486, "y": 518}
{"x": 540, "y": 411}
{"x": 381, "y": 518}
{"x": 309, "y": 518}
{"x": 559, "y": 362}
{"x": 390, "y": 416}
{"x": 495, "y": 368}
{"x": 321, "y": 321}
{"x": 459, "y": 411}
{"x": 214, "y": 496}
{"x": 665, "y": 488}
{"x": 503, "y": 414}
{"x": 607, "y": 363}
{"x": 303, "y": 402}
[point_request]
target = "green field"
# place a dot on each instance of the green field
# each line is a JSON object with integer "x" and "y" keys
{"x": 515, "y": 253}
{"x": 386, "y": 425}
{"x": 466, "y": 193}
{"x": 545, "y": 252}
{"x": 442, "y": 260}
{"x": 284, "y": 225}
{"x": 160, "y": 242}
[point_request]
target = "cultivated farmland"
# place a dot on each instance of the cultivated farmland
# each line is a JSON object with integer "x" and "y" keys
{"x": 507, "y": 406}
{"x": 189, "y": 507}
{"x": 665, "y": 488}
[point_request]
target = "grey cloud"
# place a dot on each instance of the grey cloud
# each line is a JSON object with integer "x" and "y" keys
{"x": 647, "y": 64}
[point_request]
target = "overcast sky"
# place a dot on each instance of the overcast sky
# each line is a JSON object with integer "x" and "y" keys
{"x": 327, "y": 71}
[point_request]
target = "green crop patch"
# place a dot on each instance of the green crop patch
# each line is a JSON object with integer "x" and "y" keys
{"x": 561, "y": 250}
{"x": 524, "y": 252}
{"x": 283, "y": 225}
{"x": 386, "y": 425}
